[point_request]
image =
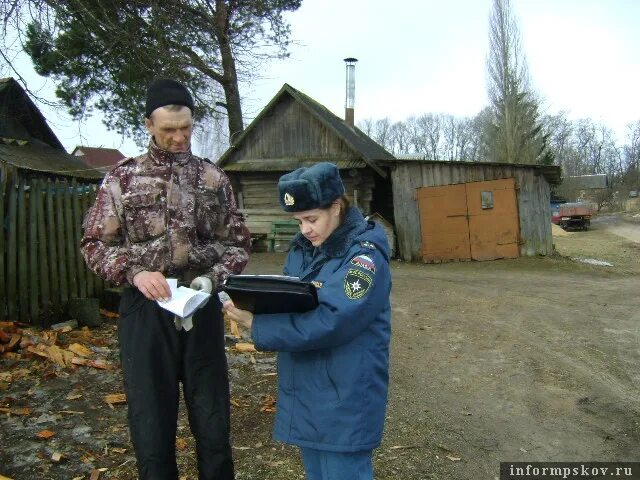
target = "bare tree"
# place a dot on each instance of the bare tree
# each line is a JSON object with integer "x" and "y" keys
{"x": 399, "y": 139}
{"x": 382, "y": 129}
{"x": 631, "y": 156}
{"x": 366, "y": 126}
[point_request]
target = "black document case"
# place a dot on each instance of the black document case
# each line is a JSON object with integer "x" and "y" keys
{"x": 271, "y": 293}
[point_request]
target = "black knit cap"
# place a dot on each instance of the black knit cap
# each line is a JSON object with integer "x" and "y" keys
{"x": 167, "y": 92}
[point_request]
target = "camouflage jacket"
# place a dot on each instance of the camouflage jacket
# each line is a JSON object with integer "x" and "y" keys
{"x": 169, "y": 212}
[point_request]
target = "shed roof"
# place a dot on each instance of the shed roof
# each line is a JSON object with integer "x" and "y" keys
{"x": 550, "y": 172}
{"x": 586, "y": 182}
{"x": 42, "y": 158}
{"x": 20, "y": 119}
{"x": 366, "y": 148}
{"x": 97, "y": 156}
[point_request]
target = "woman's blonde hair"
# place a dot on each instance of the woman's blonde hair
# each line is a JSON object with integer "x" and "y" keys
{"x": 344, "y": 203}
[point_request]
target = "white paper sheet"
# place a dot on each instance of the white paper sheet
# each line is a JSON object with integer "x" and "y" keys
{"x": 184, "y": 301}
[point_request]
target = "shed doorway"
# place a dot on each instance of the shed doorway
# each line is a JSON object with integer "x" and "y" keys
{"x": 469, "y": 221}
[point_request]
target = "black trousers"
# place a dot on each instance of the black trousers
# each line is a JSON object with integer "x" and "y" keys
{"x": 155, "y": 359}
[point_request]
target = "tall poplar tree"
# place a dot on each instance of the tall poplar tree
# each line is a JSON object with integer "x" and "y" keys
{"x": 514, "y": 132}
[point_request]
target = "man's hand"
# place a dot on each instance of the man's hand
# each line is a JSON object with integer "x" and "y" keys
{"x": 153, "y": 285}
{"x": 202, "y": 284}
{"x": 243, "y": 317}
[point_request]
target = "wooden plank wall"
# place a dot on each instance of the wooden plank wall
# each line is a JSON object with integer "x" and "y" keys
{"x": 533, "y": 201}
{"x": 41, "y": 266}
{"x": 291, "y": 132}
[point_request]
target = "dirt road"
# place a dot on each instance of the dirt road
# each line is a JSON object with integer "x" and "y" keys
{"x": 527, "y": 359}
{"x": 517, "y": 360}
{"x": 627, "y": 226}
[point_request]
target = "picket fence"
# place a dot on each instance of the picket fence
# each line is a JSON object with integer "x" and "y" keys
{"x": 41, "y": 266}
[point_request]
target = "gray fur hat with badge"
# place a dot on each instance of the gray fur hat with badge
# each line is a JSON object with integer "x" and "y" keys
{"x": 310, "y": 187}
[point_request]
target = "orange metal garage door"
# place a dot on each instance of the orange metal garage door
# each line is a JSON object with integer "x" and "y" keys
{"x": 477, "y": 220}
{"x": 443, "y": 219}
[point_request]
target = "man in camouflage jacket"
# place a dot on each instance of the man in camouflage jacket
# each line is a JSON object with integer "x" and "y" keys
{"x": 168, "y": 213}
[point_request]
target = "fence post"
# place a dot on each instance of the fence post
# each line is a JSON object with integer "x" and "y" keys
{"x": 70, "y": 242}
{"x": 77, "y": 235}
{"x": 3, "y": 234}
{"x": 23, "y": 253}
{"x": 52, "y": 244}
{"x": 34, "y": 296}
{"x": 62, "y": 257}
{"x": 42, "y": 249}
{"x": 84, "y": 207}
{"x": 98, "y": 282}
{"x": 12, "y": 250}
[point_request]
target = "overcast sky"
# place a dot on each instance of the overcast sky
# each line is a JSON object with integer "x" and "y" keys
{"x": 422, "y": 56}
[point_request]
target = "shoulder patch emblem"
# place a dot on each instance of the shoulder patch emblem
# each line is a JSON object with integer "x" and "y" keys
{"x": 363, "y": 261}
{"x": 356, "y": 284}
{"x": 368, "y": 245}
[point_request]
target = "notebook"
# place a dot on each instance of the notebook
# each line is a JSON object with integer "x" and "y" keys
{"x": 271, "y": 293}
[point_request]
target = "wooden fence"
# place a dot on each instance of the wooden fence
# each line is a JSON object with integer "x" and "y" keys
{"x": 41, "y": 266}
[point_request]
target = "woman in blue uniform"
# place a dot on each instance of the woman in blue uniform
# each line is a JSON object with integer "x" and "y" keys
{"x": 333, "y": 361}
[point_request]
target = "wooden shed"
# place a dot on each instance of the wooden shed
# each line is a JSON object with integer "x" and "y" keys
{"x": 446, "y": 210}
{"x": 292, "y": 131}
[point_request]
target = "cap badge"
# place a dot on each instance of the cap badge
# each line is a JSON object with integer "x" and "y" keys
{"x": 288, "y": 199}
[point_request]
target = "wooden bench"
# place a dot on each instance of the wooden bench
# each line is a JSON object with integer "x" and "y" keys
{"x": 282, "y": 231}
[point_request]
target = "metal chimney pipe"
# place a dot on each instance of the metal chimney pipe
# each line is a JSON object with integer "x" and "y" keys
{"x": 351, "y": 91}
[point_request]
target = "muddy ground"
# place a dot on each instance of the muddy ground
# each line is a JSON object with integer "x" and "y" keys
{"x": 514, "y": 360}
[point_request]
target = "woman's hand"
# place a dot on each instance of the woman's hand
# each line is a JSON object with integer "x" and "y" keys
{"x": 243, "y": 317}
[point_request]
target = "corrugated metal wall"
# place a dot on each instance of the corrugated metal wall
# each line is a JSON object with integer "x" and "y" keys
{"x": 533, "y": 201}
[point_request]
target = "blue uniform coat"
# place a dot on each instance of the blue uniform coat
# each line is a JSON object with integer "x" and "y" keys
{"x": 333, "y": 361}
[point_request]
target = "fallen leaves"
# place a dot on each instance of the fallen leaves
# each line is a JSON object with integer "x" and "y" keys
{"x": 100, "y": 364}
{"x": 181, "y": 443}
{"x": 115, "y": 399}
{"x": 108, "y": 314}
{"x": 12, "y": 342}
{"x": 233, "y": 328}
{"x": 240, "y": 403}
{"x": 46, "y": 344}
{"x": 10, "y": 336}
{"x": 57, "y": 457}
{"x": 79, "y": 349}
{"x": 245, "y": 347}
{"x": 64, "y": 327}
{"x": 95, "y": 474}
{"x": 45, "y": 434}
{"x": 403, "y": 447}
{"x": 268, "y": 404}
{"x": 22, "y": 411}
{"x": 53, "y": 353}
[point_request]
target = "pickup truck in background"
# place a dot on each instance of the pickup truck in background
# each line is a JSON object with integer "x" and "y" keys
{"x": 575, "y": 215}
